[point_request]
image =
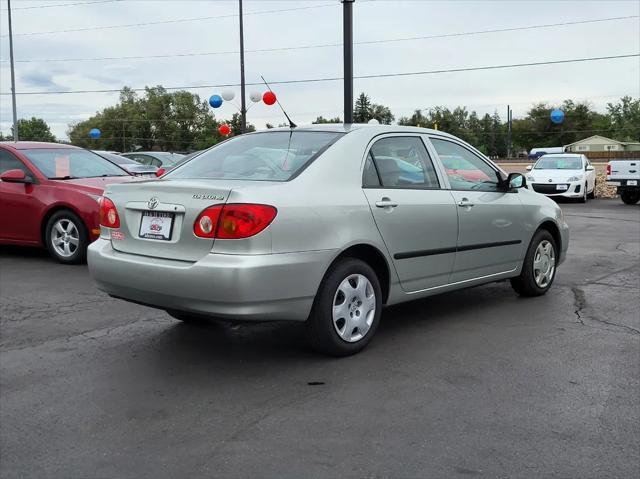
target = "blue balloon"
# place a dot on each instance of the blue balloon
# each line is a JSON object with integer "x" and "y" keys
{"x": 215, "y": 101}
{"x": 557, "y": 116}
{"x": 95, "y": 133}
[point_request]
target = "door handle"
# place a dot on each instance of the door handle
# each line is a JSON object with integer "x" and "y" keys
{"x": 465, "y": 203}
{"x": 386, "y": 203}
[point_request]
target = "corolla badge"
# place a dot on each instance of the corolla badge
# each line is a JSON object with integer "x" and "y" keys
{"x": 153, "y": 203}
{"x": 208, "y": 197}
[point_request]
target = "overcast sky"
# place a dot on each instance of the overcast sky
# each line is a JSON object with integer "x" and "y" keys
{"x": 320, "y": 22}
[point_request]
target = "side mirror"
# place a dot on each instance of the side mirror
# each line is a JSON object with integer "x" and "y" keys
{"x": 515, "y": 180}
{"x": 589, "y": 168}
{"x": 16, "y": 176}
{"x": 529, "y": 167}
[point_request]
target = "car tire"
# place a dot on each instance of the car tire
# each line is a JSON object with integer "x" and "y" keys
{"x": 66, "y": 237}
{"x": 347, "y": 309}
{"x": 539, "y": 266}
{"x": 592, "y": 195}
{"x": 630, "y": 197}
{"x": 583, "y": 198}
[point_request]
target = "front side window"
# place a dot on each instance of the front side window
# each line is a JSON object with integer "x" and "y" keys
{"x": 69, "y": 163}
{"x": 269, "y": 156}
{"x": 10, "y": 162}
{"x": 403, "y": 162}
{"x": 465, "y": 170}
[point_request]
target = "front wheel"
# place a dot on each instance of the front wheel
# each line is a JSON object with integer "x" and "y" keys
{"x": 592, "y": 195}
{"x": 583, "y": 198}
{"x": 66, "y": 237}
{"x": 347, "y": 309}
{"x": 630, "y": 197}
{"x": 539, "y": 267}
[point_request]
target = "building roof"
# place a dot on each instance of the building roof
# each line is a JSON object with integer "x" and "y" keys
{"x": 586, "y": 140}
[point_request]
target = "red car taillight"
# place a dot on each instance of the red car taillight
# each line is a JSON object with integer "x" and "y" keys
{"x": 608, "y": 169}
{"x": 233, "y": 221}
{"x": 108, "y": 214}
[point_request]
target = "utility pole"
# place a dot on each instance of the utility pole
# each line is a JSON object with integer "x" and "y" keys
{"x": 16, "y": 136}
{"x": 243, "y": 106}
{"x": 347, "y": 44}
{"x": 509, "y": 118}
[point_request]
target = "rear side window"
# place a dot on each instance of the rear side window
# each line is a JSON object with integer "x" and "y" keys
{"x": 403, "y": 162}
{"x": 269, "y": 156}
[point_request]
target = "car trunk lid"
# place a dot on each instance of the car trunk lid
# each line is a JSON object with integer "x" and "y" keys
{"x": 157, "y": 217}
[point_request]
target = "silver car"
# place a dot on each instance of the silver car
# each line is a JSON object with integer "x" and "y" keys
{"x": 324, "y": 224}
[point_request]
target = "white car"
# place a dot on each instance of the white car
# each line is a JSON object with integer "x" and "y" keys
{"x": 568, "y": 175}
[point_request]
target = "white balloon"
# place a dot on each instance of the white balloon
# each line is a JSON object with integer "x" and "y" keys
{"x": 255, "y": 96}
{"x": 373, "y": 121}
{"x": 228, "y": 95}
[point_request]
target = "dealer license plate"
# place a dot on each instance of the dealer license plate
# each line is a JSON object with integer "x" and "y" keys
{"x": 632, "y": 182}
{"x": 561, "y": 187}
{"x": 156, "y": 225}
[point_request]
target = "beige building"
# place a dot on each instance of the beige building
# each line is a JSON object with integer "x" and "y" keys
{"x": 600, "y": 143}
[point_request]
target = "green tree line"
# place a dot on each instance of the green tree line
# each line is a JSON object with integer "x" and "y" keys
{"x": 181, "y": 121}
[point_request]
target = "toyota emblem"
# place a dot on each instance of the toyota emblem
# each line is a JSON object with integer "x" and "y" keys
{"x": 153, "y": 202}
{"x": 550, "y": 180}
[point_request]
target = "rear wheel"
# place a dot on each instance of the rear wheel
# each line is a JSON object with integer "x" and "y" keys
{"x": 630, "y": 197}
{"x": 347, "y": 309}
{"x": 539, "y": 267}
{"x": 66, "y": 237}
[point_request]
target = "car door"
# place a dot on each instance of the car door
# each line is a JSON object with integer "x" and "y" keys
{"x": 491, "y": 229}
{"x": 20, "y": 205}
{"x": 415, "y": 216}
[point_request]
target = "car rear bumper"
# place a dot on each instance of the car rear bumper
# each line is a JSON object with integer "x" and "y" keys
{"x": 242, "y": 287}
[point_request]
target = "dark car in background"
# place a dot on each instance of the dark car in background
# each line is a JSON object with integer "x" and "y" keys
{"x": 131, "y": 166}
{"x": 50, "y": 196}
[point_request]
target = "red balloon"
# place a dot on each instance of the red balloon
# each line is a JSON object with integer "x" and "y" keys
{"x": 224, "y": 130}
{"x": 269, "y": 98}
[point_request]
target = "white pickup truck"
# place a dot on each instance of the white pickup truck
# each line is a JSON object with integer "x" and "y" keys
{"x": 625, "y": 175}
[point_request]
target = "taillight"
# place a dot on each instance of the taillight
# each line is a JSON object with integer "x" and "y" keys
{"x": 609, "y": 169}
{"x": 233, "y": 221}
{"x": 108, "y": 214}
{"x": 207, "y": 221}
{"x": 160, "y": 172}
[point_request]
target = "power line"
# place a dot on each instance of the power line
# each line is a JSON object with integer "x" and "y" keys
{"x": 328, "y": 45}
{"x": 359, "y": 77}
{"x": 164, "y": 22}
{"x": 61, "y": 5}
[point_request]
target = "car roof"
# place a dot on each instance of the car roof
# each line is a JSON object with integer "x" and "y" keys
{"x": 349, "y": 127}
{"x": 32, "y": 145}
{"x": 562, "y": 155}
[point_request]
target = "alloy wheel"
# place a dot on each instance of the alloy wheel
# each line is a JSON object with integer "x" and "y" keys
{"x": 65, "y": 237}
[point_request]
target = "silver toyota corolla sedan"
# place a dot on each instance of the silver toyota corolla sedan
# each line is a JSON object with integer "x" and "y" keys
{"x": 324, "y": 224}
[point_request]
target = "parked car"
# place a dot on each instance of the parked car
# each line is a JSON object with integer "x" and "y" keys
{"x": 536, "y": 153}
{"x": 49, "y": 194}
{"x": 131, "y": 166}
{"x": 164, "y": 169}
{"x": 567, "y": 175}
{"x": 303, "y": 224}
{"x": 159, "y": 159}
{"x": 625, "y": 176}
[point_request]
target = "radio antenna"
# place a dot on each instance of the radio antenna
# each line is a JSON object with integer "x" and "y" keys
{"x": 291, "y": 124}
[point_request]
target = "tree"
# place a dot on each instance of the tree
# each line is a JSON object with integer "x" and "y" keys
{"x": 364, "y": 110}
{"x": 35, "y": 129}
{"x": 322, "y": 120}
{"x": 624, "y": 118}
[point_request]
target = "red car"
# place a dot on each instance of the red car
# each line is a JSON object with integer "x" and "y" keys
{"x": 49, "y": 196}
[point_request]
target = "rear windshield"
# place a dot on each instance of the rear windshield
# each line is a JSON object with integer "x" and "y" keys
{"x": 69, "y": 163}
{"x": 269, "y": 156}
{"x": 558, "y": 163}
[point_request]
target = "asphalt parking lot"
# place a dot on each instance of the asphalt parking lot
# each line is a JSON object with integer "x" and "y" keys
{"x": 477, "y": 383}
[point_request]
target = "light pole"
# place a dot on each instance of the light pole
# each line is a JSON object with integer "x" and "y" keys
{"x": 16, "y": 136}
{"x": 347, "y": 44}
{"x": 243, "y": 106}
